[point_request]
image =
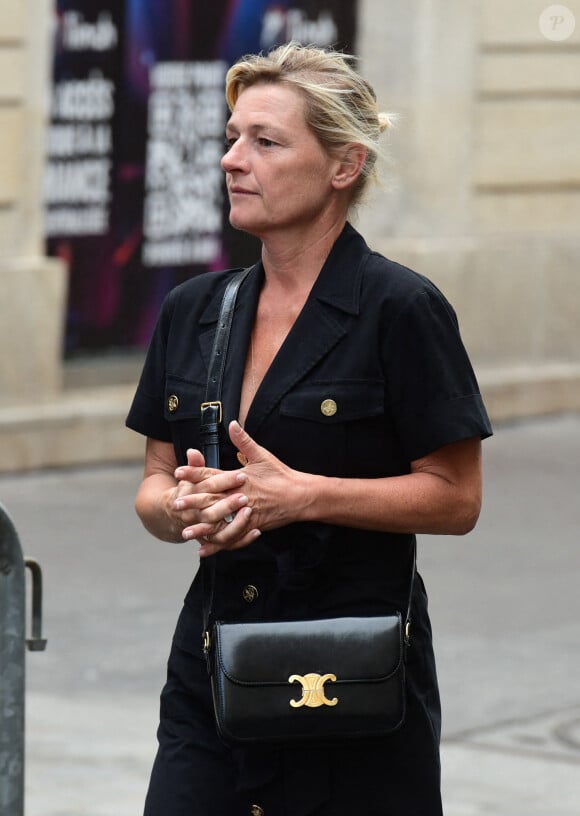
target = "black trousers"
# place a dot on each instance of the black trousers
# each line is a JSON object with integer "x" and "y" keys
{"x": 195, "y": 774}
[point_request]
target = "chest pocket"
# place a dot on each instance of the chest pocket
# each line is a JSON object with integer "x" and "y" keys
{"x": 331, "y": 427}
{"x": 182, "y": 411}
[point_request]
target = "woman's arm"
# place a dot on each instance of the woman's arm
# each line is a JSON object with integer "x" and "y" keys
{"x": 159, "y": 498}
{"x": 441, "y": 494}
{"x": 157, "y": 492}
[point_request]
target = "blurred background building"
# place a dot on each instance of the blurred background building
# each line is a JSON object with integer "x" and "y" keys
{"x": 111, "y": 116}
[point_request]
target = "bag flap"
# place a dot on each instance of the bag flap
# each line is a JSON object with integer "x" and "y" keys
{"x": 352, "y": 649}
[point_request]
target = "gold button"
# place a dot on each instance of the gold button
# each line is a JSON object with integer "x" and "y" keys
{"x": 328, "y": 407}
{"x": 256, "y": 810}
{"x": 172, "y": 403}
{"x": 250, "y": 593}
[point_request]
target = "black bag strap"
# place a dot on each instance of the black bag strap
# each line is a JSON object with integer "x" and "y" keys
{"x": 212, "y": 417}
{"x": 211, "y": 408}
{"x": 211, "y": 422}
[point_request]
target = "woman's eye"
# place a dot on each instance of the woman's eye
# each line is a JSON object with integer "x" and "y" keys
{"x": 228, "y": 143}
{"x": 263, "y": 142}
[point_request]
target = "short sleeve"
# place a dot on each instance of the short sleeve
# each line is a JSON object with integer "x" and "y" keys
{"x": 146, "y": 415}
{"x": 433, "y": 391}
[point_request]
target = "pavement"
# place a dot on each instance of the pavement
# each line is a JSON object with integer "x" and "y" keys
{"x": 505, "y": 607}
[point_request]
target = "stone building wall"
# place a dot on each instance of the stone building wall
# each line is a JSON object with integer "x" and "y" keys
{"x": 482, "y": 195}
{"x": 41, "y": 422}
{"x": 32, "y": 287}
{"x": 483, "y": 192}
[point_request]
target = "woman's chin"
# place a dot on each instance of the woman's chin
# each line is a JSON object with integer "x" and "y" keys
{"x": 245, "y": 224}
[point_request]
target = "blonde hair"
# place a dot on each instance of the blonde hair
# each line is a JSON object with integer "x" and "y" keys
{"x": 340, "y": 106}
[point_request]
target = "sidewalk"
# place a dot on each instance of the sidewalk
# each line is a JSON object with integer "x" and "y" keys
{"x": 504, "y": 603}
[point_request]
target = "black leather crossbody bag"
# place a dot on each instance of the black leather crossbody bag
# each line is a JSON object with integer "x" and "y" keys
{"x": 280, "y": 681}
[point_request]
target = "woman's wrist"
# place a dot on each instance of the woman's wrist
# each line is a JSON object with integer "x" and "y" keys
{"x": 154, "y": 507}
{"x": 171, "y": 523}
{"x": 309, "y": 501}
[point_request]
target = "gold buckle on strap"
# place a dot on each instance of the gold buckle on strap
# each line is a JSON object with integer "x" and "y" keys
{"x": 214, "y": 404}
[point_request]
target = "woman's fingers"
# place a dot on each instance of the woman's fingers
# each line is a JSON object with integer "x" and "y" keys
{"x": 212, "y": 546}
{"x": 214, "y": 513}
{"x": 221, "y": 531}
{"x": 209, "y": 509}
{"x": 195, "y": 469}
{"x": 250, "y": 451}
{"x": 222, "y": 534}
{"x": 209, "y": 481}
{"x": 195, "y": 458}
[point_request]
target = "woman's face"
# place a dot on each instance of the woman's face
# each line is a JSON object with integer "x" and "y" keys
{"x": 278, "y": 175}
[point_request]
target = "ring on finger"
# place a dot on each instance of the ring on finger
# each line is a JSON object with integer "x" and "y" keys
{"x": 228, "y": 518}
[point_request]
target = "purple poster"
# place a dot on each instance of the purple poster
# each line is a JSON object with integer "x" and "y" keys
{"x": 135, "y": 198}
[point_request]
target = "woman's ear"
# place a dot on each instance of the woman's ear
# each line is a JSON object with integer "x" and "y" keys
{"x": 350, "y": 167}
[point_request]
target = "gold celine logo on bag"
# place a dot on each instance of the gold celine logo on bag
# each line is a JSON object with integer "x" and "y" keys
{"x": 313, "y": 691}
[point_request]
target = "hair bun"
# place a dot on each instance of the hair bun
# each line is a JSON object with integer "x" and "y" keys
{"x": 386, "y": 121}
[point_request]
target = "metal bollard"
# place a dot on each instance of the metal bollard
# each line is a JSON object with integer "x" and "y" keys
{"x": 12, "y": 664}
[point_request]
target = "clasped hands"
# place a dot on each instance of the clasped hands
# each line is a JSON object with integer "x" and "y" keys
{"x": 227, "y": 510}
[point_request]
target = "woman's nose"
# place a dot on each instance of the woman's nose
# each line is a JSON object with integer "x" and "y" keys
{"x": 233, "y": 159}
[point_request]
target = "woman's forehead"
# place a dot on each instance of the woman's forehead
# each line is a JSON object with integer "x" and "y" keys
{"x": 268, "y": 103}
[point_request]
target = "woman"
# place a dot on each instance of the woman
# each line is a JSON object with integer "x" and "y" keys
{"x": 351, "y": 404}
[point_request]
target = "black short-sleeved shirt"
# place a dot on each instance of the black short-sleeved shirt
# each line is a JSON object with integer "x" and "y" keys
{"x": 372, "y": 376}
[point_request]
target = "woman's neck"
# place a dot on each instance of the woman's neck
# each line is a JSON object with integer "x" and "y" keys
{"x": 293, "y": 262}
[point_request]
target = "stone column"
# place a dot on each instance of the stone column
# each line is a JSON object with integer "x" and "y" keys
{"x": 483, "y": 191}
{"x": 420, "y": 57}
{"x": 32, "y": 286}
